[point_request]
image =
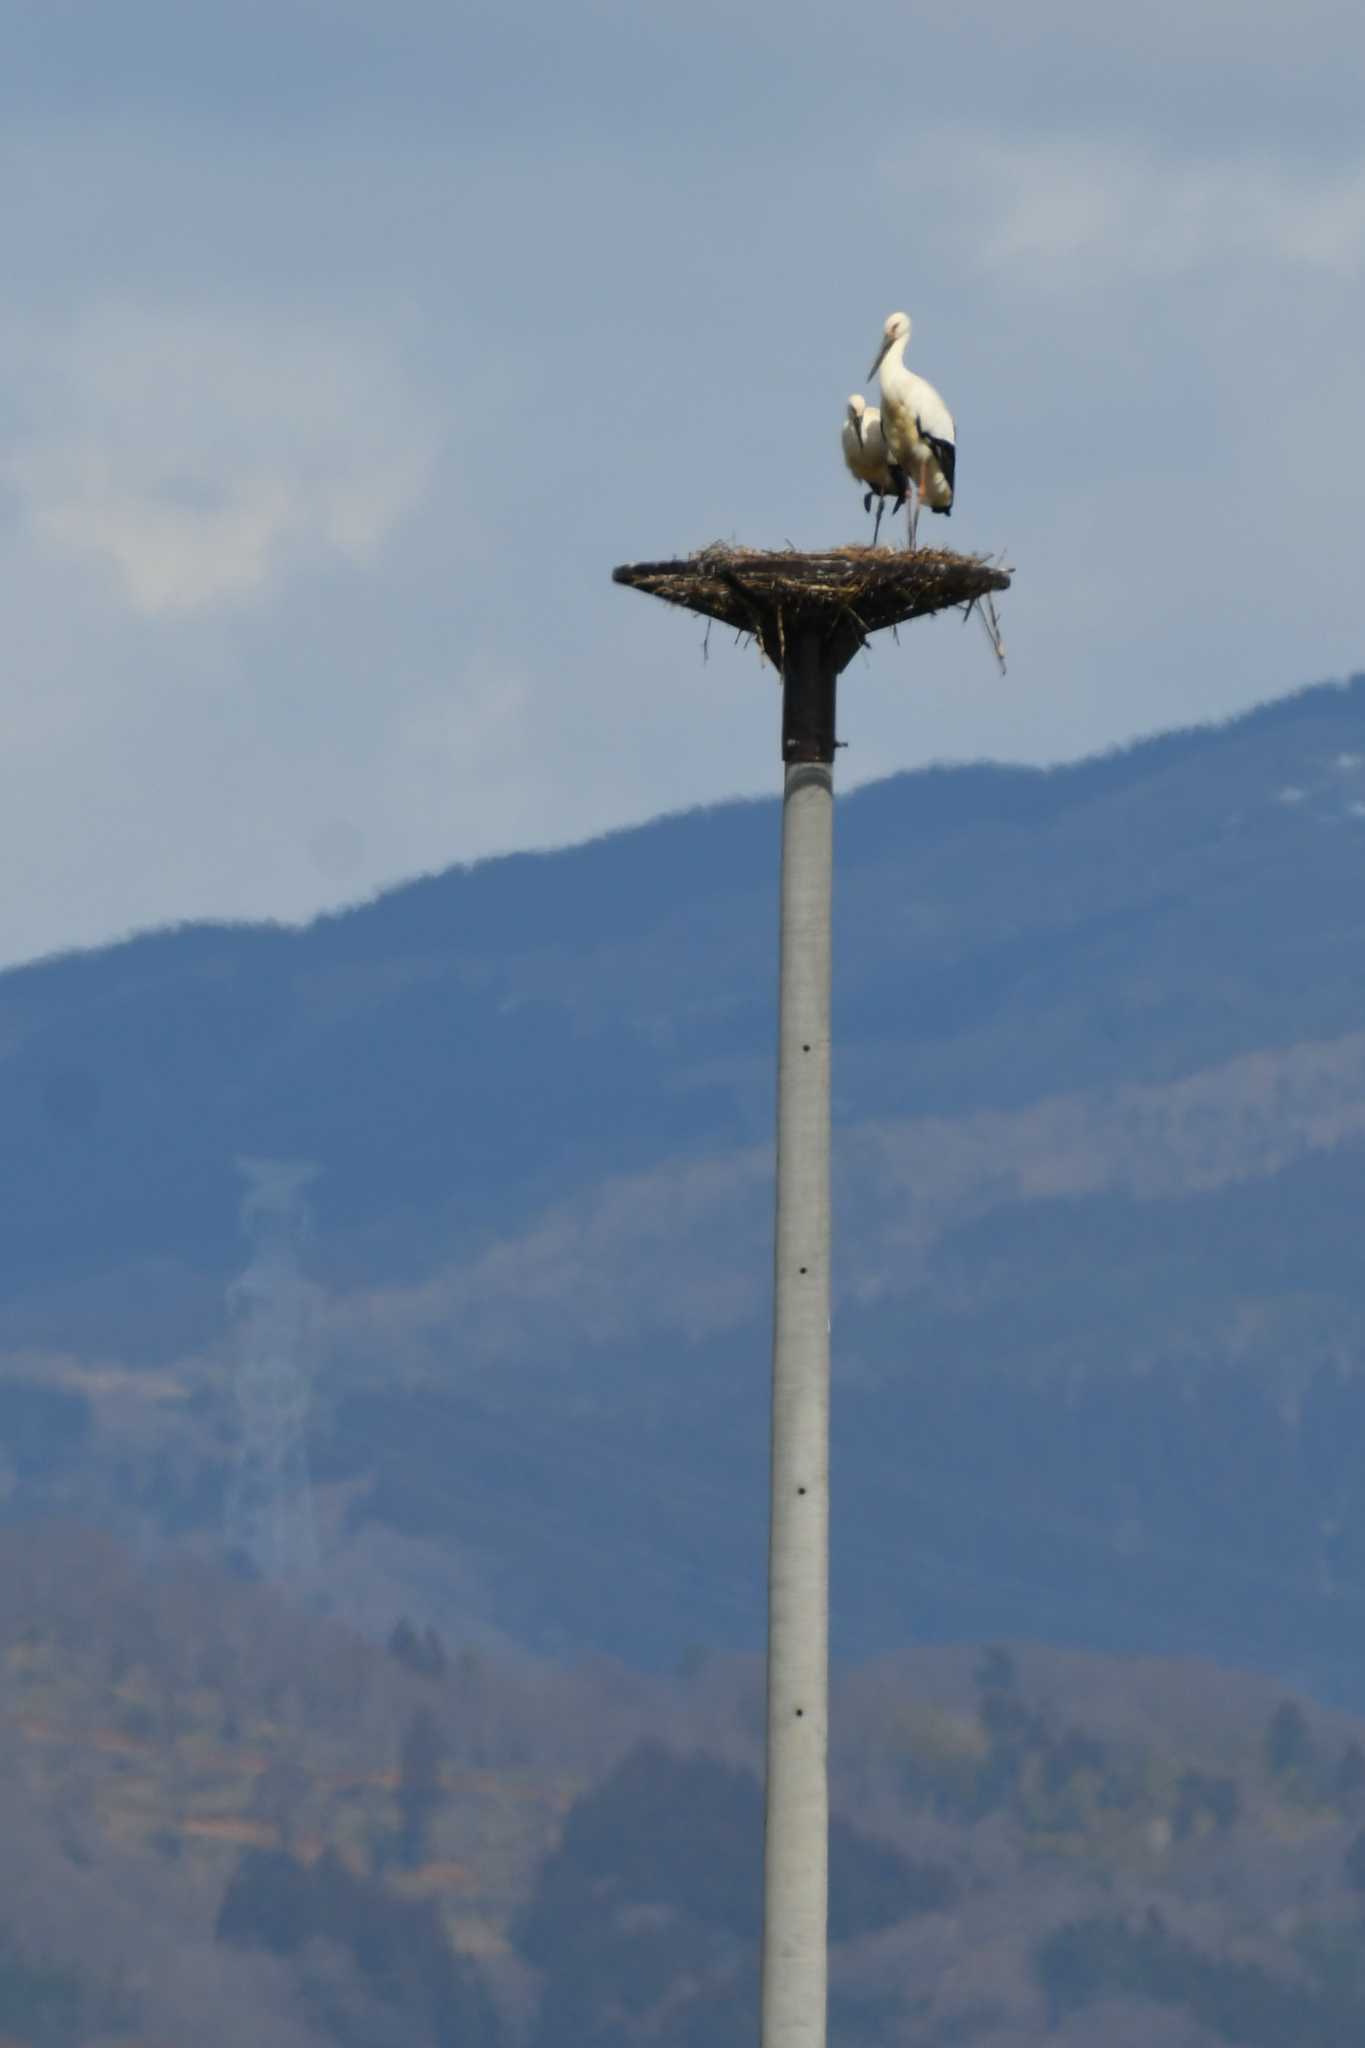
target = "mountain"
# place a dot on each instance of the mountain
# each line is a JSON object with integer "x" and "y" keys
{"x": 1100, "y": 1156}
{"x": 228, "y": 1819}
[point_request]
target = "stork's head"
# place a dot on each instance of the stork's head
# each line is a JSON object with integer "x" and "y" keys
{"x": 857, "y": 406}
{"x": 897, "y": 329}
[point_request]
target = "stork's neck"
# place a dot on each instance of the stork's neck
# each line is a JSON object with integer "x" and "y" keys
{"x": 892, "y": 374}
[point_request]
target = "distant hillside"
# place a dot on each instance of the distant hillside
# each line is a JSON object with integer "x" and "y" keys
{"x": 1100, "y": 1098}
{"x": 228, "y": 1820}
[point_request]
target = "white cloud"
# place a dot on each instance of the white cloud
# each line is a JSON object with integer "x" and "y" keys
{"x": 198, "y": 454}
{"x": 1079, "y": 213}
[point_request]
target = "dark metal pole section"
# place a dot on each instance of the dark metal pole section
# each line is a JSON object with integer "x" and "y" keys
{"x": 796, "y": 1831}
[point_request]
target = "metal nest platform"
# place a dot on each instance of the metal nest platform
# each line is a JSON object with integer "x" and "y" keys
{"x": 846, "y": 592}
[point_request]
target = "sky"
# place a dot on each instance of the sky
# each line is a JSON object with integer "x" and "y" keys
{"x": 346, "y": 345}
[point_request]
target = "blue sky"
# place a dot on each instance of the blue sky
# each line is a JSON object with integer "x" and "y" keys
{"x": 345, "y": 347}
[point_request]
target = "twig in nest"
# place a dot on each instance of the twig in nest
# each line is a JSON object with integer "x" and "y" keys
{"x": 987, "y": 613}
{"x": 706, "y": 643}
{"x": 984, "y": 606}
{"x": 732, "y": 582}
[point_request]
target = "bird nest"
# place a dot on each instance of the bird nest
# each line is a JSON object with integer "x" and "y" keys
{"x": 850, "y": 590}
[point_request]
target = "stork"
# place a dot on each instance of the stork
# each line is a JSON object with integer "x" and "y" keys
{"x": 917, "y": 426}
{"x": 866, "y": 459}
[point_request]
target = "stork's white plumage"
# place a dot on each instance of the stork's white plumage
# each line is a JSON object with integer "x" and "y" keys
{"x": 867, "y": 461}
{"x": 917, "y": 426}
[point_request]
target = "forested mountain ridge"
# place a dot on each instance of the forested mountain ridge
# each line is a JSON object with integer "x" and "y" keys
{"x": 1099, "y": 1154}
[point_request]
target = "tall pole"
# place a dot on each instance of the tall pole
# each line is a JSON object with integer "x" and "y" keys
{"x": 796, "y": 1829}
{"x": 810, "y": 614}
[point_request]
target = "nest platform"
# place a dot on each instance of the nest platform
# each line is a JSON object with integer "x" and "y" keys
{"x": 850, "y": 592}
{"x": 810, "y": 613}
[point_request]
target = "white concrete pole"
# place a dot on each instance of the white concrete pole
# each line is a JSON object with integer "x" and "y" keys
{"x": 796, "y": 1833}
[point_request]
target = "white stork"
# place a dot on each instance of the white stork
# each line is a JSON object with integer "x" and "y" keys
{"x": 917, "y": 426}
{"x": 866, "y": 459}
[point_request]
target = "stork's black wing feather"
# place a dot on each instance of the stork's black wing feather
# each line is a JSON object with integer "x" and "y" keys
{"x": 945, "y": 454}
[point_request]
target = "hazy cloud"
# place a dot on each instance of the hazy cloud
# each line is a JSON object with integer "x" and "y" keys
{"x": 1073, "y": 212}
{"x": 197, "y": 452}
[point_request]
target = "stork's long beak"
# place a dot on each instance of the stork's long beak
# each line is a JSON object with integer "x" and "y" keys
{"x": 880, "y": 358}
{"x": 857, "y": 419}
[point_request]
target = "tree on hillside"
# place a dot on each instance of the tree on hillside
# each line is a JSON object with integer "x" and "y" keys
{"x": 1204, "y": 1802}
{"x": 44, "y": 2003}
{"x": 1349, "y": 1782}
{"x": 280, "y": 1795}
{"x": 268, "y": 1904}
{"x": 643, "y": 1921}
{"x": 402, "y": 1961}
{"x": 420, "y": 1757}
{"x": 1288, "y": 1740}
{"x": 997, "y": 1670}
{"x": 423, "y": 1654}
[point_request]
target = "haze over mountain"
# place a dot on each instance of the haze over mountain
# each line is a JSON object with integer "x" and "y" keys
{"x": 1100, "y": 1110}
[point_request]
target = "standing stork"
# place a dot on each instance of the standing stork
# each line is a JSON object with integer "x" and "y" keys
{"x": 867, "y": 461}
{"x": 917, "y": 426}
